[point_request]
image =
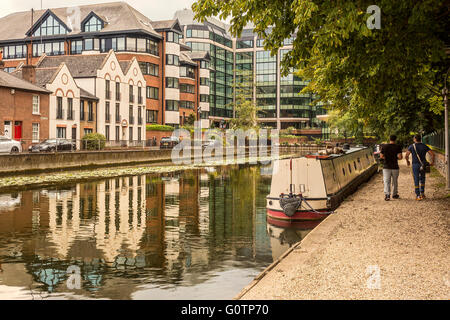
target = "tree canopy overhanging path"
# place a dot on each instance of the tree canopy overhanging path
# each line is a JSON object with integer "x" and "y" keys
{"x": 406, "y": 239}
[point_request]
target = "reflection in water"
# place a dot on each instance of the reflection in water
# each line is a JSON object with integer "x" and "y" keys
{"x": 177, "y": 235}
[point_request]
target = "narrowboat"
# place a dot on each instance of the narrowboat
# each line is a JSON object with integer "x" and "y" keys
{"x": 311, "y": 187}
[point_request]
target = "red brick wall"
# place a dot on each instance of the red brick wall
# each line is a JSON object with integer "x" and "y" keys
{"x": 18, "y": 107}
{"x": 158, "y": 135}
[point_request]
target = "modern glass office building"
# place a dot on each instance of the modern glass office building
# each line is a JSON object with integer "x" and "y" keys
{"x": 277, "y": 97}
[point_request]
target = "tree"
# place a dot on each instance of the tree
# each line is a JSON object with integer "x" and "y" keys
{"x": 245, "y": 110}
{"x": 388, "y": 76}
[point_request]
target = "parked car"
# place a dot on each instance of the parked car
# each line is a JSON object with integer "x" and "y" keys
{"x": 168, "y": 142}
{"x": 8, "y": 145}
{"x": 51, "y": 145}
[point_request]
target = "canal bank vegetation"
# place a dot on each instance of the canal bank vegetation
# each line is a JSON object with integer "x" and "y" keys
{"x": 14, "y": 183}
{"x": 388, "y": 79}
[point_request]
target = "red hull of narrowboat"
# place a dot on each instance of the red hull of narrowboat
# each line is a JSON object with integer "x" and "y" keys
{"x": 295, "y": 224}
{"x": 298, "y": 216}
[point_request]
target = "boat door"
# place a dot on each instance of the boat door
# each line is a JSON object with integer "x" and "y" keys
{"x": 7, "y": 130}
{"x": 17, "y": 130}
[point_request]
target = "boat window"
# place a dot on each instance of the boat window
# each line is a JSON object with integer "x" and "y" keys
{"x": 343, "y": 171}
{"x": 334, "y": 176}
{"x": 349, "y": 168}
{"x": 359, "y": 160}
{"x": 354, "y": 163}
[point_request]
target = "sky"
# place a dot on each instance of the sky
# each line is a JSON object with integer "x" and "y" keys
{"x": 153, "y": 9}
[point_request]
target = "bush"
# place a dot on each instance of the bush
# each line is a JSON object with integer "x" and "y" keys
{"x": 159, "y": 127}
{"x": 93, "y": 141}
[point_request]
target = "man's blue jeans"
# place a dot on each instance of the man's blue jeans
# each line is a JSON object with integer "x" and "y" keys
{"x": 419, "y": 179}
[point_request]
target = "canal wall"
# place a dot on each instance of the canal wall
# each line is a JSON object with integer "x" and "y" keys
{"x": 25, "y": 163}
{"x": 439, "y": 163}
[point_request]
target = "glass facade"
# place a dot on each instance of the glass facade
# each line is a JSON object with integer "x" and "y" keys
{"x": 266, "y": 84}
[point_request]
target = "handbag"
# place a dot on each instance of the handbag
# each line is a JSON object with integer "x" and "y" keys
{"x": 424, "y": 166}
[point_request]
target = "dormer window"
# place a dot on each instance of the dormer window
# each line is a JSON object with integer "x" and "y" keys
{"x": 49, "y": 27}
{"x": 93, "y": 25}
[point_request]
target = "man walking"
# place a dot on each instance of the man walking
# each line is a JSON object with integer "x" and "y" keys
{"x": 418, "y": 150}
{"x": 391, "y": 153}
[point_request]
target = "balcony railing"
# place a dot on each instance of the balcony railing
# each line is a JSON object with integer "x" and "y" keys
{"x": 107, "y": 117}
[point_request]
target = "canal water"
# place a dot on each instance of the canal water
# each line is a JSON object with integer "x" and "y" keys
{"x": 196, "y": 234}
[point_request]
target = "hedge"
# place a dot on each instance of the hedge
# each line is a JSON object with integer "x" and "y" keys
{"x": 159, "y": 127}
{"x": 93, "y": 141}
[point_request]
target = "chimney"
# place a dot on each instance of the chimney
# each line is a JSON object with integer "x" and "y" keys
{"x": 29, "y": 73}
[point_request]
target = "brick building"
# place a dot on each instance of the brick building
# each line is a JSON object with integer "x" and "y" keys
{"x": 24, "y": 110}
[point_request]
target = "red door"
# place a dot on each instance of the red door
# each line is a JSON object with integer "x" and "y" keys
{"x": 17, "y": 130}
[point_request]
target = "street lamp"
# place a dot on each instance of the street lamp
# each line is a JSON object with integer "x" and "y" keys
{"x": 446, "y": 138}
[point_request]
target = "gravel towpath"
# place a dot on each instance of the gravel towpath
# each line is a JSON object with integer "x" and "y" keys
{"x": 370, "y": 249}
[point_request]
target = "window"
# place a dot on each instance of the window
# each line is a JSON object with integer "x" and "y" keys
{"x": 188, "y": 72}
{"x": 61, "y": 132}
{"x": 92, "y": 25}
{"x": 130, "y": 115}
{"x": 76, "y": 46}
{"x": 152, "y": 47}
{"x": 172, "y": 59}
{"x": 89, "y": 44}
{"x": 107, "y": 132}
{"x": 241, "y": 44}
{"x": 171, "y": 83}
{"x": 260, "y": 43}
{"x": 49, "y": 48}
{"x": 107, "y": 89}
{"x": 172, "y": 105}
{"x": 59, "y": 108}
{"x": 90, "y": 111}
{"x": 204, "y": 81}
{"x": 49, "y": 27}
{"x": 204, "y": 64}
{"x": 152, "y": 93}
{"x": 107, "y": 112}
{"x": 15, "y": 52}
{"x": 70, "y": 115}
{"x": 35, "y": 131}
{"x": 204, "y": 115}
{"x": 187, "y": 104}
{"x": 131, "y": 95}
{"x": 117, "y": 133}
{"x": 204, "y": 98}
{"x": 82, "y": 117}
{"x": 131, "y": 44}
{"x": 187, "y": 88}
{"x": 36, "y": 106}
{"x": 173, "y": 37}
{"x": 117, "y": 112}
{"x": 193, "y": 33}
{"x": 117, "y": 90}
{"x": 88, "y": 131}
{"x": 139, "y": 135}
{"x": 130, "y": 135}
{"x": 149, "y": 68}
{"x": 151, "y": 116}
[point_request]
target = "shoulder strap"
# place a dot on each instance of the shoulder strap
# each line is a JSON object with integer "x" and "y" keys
{"x": 417, "y": 155}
